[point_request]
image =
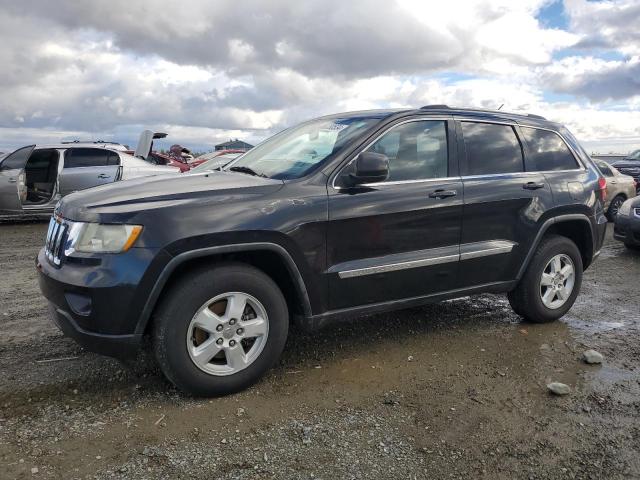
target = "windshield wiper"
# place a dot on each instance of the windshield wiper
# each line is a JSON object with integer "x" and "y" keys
{"x": 248, "y": 170}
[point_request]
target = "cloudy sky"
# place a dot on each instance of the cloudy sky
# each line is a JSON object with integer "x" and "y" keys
{"x": 204, "y": 71}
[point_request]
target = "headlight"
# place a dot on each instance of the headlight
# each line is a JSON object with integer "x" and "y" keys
{"x": 625, "y": 208}
{"x": 99, "y": 238}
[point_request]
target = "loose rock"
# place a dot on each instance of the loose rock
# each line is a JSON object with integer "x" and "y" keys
{"x": 592, "y": 357}
{"x": 559, "y": 388}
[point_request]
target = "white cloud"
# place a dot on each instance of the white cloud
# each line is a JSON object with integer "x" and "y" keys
{"x": 206, "y": 71}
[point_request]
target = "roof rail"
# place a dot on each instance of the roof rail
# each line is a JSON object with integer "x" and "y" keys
{"x": 533, "y": 115}
{"x": 436, "y": 106}
{"x": 89, "y": 141}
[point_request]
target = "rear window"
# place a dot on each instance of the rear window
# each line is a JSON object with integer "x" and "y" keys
{"x": 89, "y": 157}
{"x": 491, "y": 149}
{"x": 547, "y": 150}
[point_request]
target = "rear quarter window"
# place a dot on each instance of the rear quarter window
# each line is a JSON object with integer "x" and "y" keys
{"x": 90, "y": 157}
{"x": 547, "y": 151}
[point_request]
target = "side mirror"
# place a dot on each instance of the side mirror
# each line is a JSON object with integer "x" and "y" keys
{"x": 370, "y": 167}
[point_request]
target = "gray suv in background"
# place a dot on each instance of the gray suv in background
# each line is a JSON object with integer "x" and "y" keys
{"x": 35, "y": 177}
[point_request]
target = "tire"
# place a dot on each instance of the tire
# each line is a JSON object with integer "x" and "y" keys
{"x": 176, "y": 337}
{"x": 526, "y": 299}
{"x": 614, "y": 206}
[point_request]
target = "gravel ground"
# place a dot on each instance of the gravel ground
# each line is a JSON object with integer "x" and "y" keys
{"x": 453, "y": 390}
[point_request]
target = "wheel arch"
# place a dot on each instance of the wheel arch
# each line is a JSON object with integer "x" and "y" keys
{"x": 271, "y": 258}
{"x": 577, "y": 227}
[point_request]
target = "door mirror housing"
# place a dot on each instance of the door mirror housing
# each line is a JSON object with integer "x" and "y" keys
{"x": 370, "y": 167}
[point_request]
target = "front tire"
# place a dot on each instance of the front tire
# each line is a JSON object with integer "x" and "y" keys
{"x": 551, "y": 282}
{"x": 220, "y": 329}
{"x": 614, "y": 207}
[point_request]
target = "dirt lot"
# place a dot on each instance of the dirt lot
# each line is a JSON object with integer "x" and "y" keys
{"x": 455, "y": 390}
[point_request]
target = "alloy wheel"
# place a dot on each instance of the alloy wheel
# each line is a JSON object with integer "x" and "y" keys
{"x": 227, "y": 333}
{"x": 557, "y": 281}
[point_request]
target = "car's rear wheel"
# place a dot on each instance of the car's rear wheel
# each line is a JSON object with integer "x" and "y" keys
{"x": 220, "y": 329}
{"x": 551, "y": 283}
{"x": 614, "y": 207}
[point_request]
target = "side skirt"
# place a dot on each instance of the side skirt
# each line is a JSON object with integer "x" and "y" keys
{"x": 316, "y": 322}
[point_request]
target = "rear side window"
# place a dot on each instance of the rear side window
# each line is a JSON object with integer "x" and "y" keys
{"x": 416, "y": 150}
{"x": 491, "y": 149}
{"x": 548, "y": 151}
{"x": 605, "y": 169}
{"x": 89, "y": 157}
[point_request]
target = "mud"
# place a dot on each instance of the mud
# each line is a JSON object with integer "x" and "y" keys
{"x": 453, "y": 390}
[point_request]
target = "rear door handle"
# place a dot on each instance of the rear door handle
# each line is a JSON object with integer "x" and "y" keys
{"x": 533, "y": 186}
{"x": 443, "y": 193}
{"x": 12, "y": 180}
{"x": 103, "y": 175}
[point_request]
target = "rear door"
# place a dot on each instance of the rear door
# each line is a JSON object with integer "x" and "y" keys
{"x": 88, "y": 167}
{"x": 503, "y": 203}
{"x": 12, "y": 180}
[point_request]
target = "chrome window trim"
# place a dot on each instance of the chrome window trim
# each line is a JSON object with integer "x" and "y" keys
{"x": 473, "y": 250}
{"x": 442, "y": 118}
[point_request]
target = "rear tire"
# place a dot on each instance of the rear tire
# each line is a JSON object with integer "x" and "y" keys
{"x": 543, "y": 294}
{"x": 203, "y": 315}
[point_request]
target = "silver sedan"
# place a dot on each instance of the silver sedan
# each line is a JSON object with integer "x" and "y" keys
{"x": 34, "y": 178}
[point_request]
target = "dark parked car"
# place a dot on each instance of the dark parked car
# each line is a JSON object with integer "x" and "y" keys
{"x": 630, "y": 165}
{"x": 627, "y": 227}
{"x": 343, "y": 215}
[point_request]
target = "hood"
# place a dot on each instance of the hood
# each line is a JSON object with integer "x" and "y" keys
{"x": 626, "y": 162}
{"x": 130, "y": 197}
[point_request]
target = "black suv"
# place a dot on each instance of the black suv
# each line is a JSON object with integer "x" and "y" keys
{"x": 340, "y": 216}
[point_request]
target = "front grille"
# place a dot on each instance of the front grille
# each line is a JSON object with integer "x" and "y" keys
{"x": 56, "y": 237}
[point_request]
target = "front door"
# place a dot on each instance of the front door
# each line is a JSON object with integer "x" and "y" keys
{"x": 503, "y": 202}
{"x": 399, "y": 238}
{"x": 12, "y": 180}
{"x": 88, "y": 167}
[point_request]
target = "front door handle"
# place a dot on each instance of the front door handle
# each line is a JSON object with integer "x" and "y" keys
{"x": 441, "y": 193}
{"x": 533, "y": 186}
{"x": 103, "y": 175}
{"x": 12, "y": 180}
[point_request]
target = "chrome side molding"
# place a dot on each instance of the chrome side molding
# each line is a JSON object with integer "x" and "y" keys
{"x": 426, "y": 258}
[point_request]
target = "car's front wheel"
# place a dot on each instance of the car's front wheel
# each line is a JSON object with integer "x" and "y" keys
{"x": 220, "y": 329}
{"x": 551, "y": 283}
{"x": 614, "y": 207}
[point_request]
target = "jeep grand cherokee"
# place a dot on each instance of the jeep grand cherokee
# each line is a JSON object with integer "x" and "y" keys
{"x": 343, "y": 215}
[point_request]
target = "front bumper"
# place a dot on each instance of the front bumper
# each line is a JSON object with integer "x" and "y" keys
{"x": 627, "y": 229}
{"x": 118, "y": 346}
{"x": 99, "y": 303}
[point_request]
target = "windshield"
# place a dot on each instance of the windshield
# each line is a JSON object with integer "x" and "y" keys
{"x": 296, "y": 151}
{"x": 634, "y": 155}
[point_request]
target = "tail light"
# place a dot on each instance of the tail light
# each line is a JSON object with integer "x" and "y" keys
{"x": 602, "y": 188}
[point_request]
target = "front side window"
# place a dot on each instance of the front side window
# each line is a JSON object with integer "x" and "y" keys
{"x": 298, "y": 150}
{"x": 491, "y": 149}
{"x": 416, "y": 150}
{"x": 17, "y": 159}
{"x": 89, "y": 157}
{"x": 547, "y": 150}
